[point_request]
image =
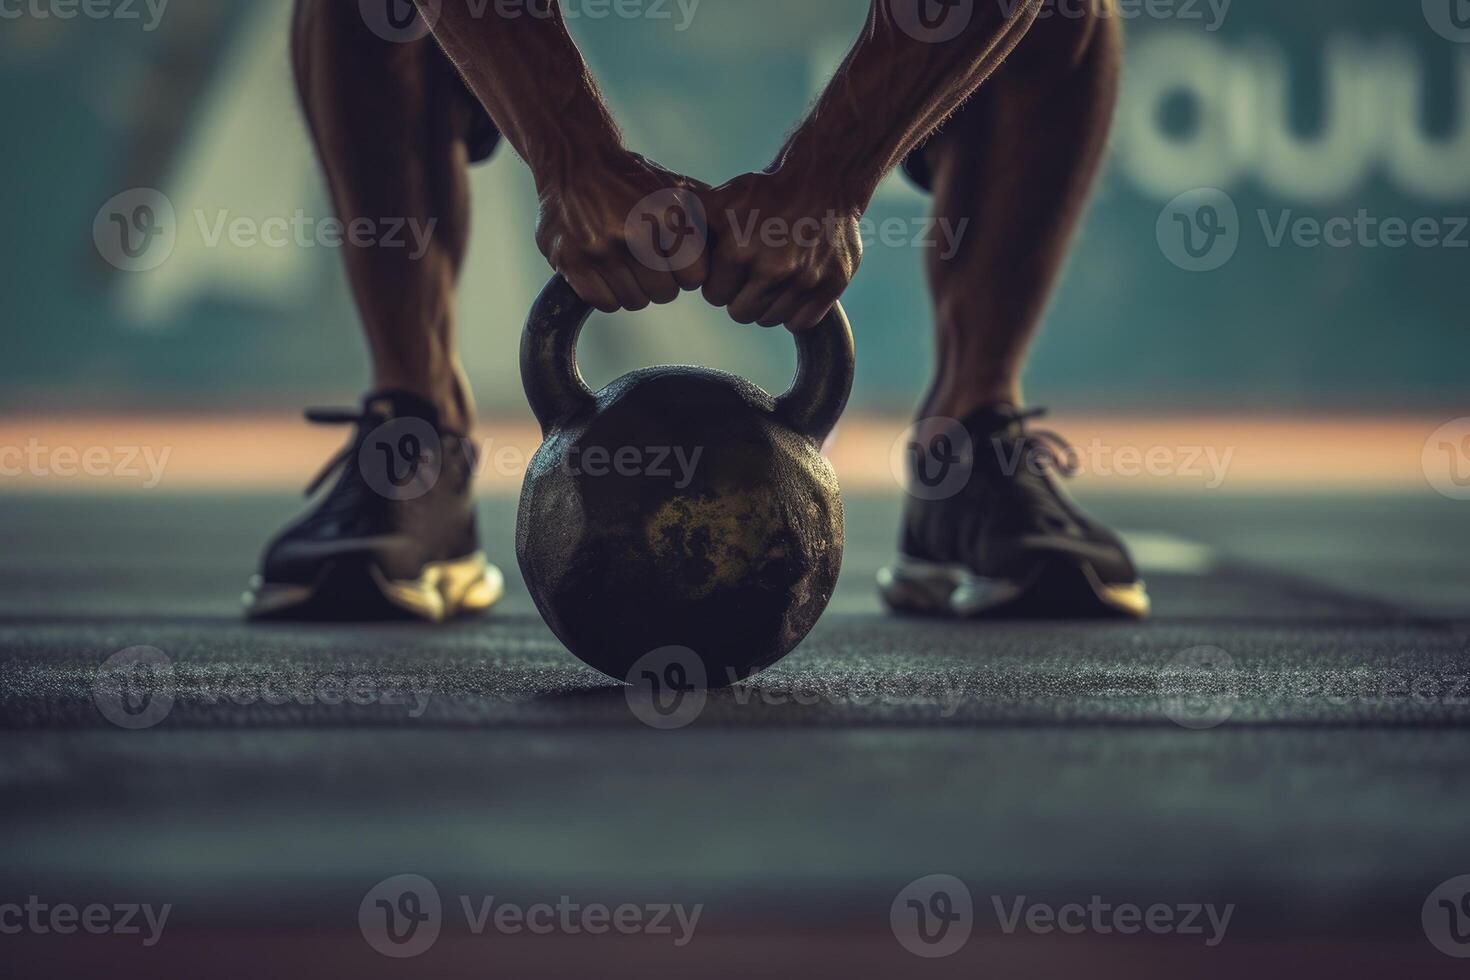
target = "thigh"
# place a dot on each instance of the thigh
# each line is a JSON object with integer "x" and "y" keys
{"x": 1067, "y": 61}
{"x": 384, "y": 71}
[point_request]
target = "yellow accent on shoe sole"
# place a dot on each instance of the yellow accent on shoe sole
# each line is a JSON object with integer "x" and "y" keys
{"x": 954, "y": 591}
{"x": 444, "y": 590}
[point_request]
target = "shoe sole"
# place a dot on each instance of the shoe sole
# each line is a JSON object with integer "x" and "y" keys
{"x": 1059, "y": 587}
{"x": 356, "y": 589}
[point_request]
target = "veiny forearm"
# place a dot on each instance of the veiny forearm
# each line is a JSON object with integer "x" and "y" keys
{"x": 528, "y": 73}
{"x": 893, "y": 90}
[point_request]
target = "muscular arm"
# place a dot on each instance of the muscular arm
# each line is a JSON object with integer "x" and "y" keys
{"x": 606, "y": 212}
{"x": 894, "y": 88}
{"x": 897, "y": 84}
{"x": 596, "y": 213}
{"x": 527, "y": 72}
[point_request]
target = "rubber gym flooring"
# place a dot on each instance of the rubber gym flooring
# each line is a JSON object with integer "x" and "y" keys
{"x": 1287, "y": 736}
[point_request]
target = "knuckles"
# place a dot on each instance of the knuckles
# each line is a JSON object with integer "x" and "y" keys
{"x": 794, "y": 275}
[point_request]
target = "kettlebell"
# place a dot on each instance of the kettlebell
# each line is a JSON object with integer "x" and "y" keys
{"x": 679, "y": 506}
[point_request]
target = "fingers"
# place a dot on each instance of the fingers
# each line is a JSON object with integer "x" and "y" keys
{"x": 810, "y": 314}
{"x": 789, "y": 305}
{"x": 754, "y": 295}
{"x": 618, "y": 260}
{"x": 667, "y": 238}
{"x": 754, "y": 300}
{"x": 695, "y": 274}
{"x": 630, "y": 290}
{"x": 771, "y": 291}
{"x": 784, "y": 308}
{"x": 726, "y": 280}
{"x": 658, "y": 285}
{"x": 591, "y": 287}
{"x": 775, "y": 270}
{"x": 619, "y": 283}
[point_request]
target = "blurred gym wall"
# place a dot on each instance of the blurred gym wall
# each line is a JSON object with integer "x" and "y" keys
{"x": 1282, "y": 225}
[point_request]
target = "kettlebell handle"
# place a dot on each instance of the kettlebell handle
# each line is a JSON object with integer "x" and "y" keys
{"x": 825, "y": 362}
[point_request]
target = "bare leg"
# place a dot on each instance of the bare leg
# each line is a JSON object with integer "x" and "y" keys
{"x": 390, "y": 121}
{"x": 1017, "y": 162}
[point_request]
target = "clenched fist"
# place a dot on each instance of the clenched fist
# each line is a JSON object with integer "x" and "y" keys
{"x": 624, "y": 231}
{"x": 781, "y": 251}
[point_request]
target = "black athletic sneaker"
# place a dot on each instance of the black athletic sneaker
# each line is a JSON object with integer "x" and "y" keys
{"x": 987, "y": 531}
{"x": 394, "y": 538}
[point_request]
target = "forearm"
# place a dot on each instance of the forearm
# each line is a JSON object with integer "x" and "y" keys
{"x": 526, "y": 70}
{"x": 892, "y": 91}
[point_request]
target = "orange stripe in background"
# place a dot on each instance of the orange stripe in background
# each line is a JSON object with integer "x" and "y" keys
{"x": 282, "y": 453}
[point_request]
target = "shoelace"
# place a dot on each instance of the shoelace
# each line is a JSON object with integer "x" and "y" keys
{"x": 1046, "y": 445}
{"x": 333, "y": 416}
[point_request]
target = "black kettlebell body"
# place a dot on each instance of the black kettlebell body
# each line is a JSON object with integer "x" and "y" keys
{"x": 679, "y": 506}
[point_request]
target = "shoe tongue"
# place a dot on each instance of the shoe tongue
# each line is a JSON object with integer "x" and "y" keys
{"x": 394, "y": 404}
